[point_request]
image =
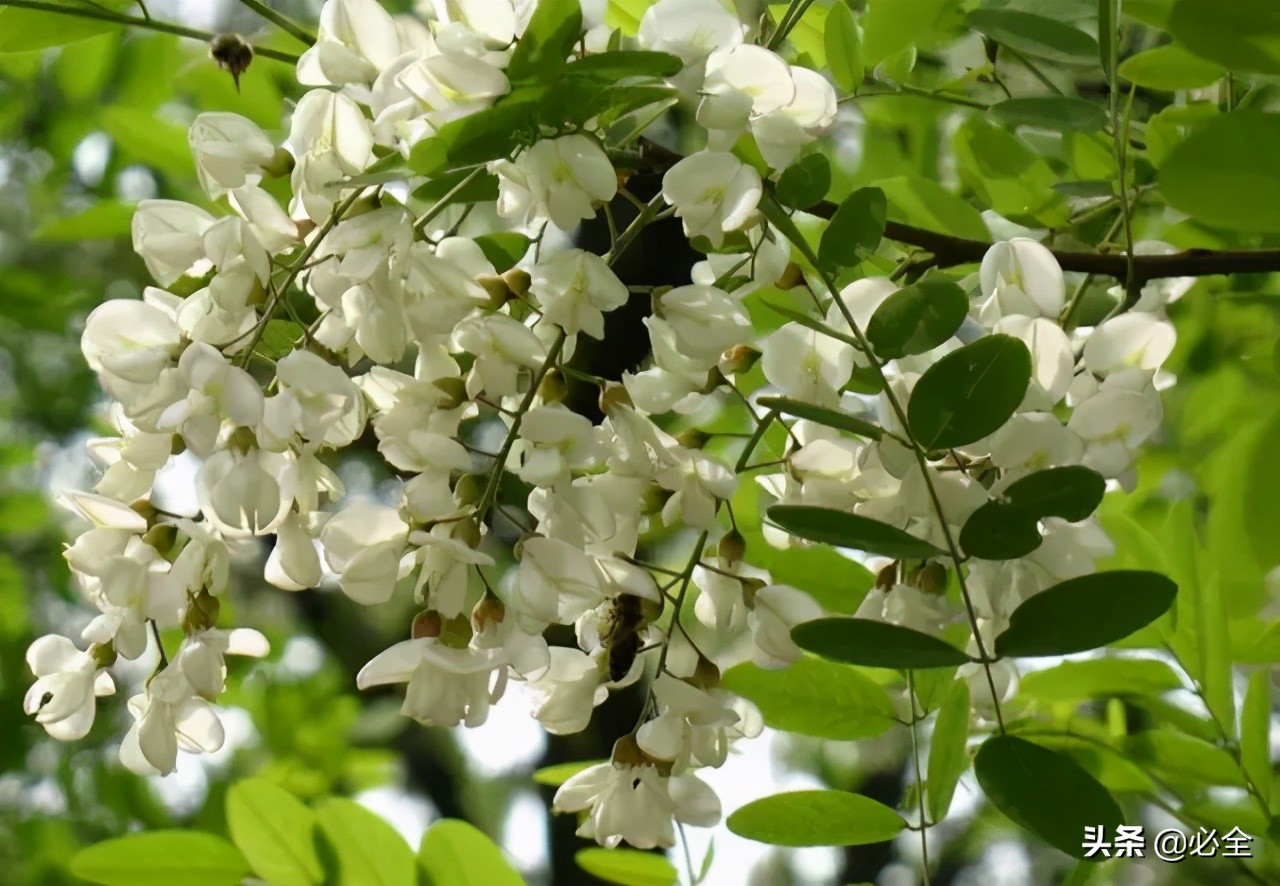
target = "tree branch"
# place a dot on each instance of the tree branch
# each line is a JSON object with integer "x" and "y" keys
{"x": 949, "y": 251}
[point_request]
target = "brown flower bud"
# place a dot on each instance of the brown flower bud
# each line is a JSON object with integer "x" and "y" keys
{"x": 693, "y": 438}
{"x": 792, "y": 276}
{"x": 103, "y": 654}
{"x": 489, "y": 611}
{"x": 498, "y": 290}
{"x": 554, "y": 388}
{"x": 456, "y": 632}
{"x": 613, "y": 395}
{"x": 738, "y": 359}
{"x": 932, "y": 579}
{"x": 732, "y": 547}
{"x": 426, "y": 623}
{"x": 518, "y": 280}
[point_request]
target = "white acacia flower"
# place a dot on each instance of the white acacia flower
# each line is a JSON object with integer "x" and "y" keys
{"x": 245, "y": 493}
{"x": 63, "y": 697}
{"x": 554, "y": 582}
{"x": 713, "y": 193}
{"x": 706, "y": 320}
{"x": 1132, "y": 340}
{"x": 568, "y": 692}
{"x": 806, "y": 364}
{"x": 557, "y": 179}
{"x": 692, "y": 723}
{"x": 636, "y": 804}
{"x": 356, "y": 39}
{"x": 446, "y": 686}
{"x": 169, "y": 236}
{"x": 908, "y": 607}
{"x": 553, "y": 441}
{"x": 775, "y": 610}
{"x": 168, "y": 716}
{"x": 201, "y": 658}
{"x": 219, "y": 392}
{"x": 1020, "y": 276}
{"x": 230, "y": 151}
{"x": 294, "y": 562}
{"x": 364, "y": 544}
{"x": 575, "y": 288}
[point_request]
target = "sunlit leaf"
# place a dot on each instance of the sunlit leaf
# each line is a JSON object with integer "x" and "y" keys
{"x": 1209, "y": 177}
{"x": 365, "y": 849}
{"x": 816, "y": 818}
{"x": 275, "y": 831}
{"x": 161, "y": 858}
{"x": 854, "y": 230}
{"x": 947, "y": 757}
{"x": 455, "y": 853}
{"x": 627, "y": 867}
{"x": 814, "y": 697}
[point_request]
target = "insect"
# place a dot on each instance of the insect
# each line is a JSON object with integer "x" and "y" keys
{"x": 621, "y": 636}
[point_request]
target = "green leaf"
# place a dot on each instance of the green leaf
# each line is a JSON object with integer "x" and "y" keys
{"x": 875, "y": 644}
{"x": 628, "y": 867}
{"x": 480, "y": 189}
{"x": 845, "y": 530}
{"x": 805, "y": 182}
{"x": 970, "y": 393}
{"x": 1170, "y": 68}
{"x": 815, "y": 697}
{"x": 24, "y": 30}
{"x": 617, "y": 64}
{"x": 1209, "y": 177}
{"x": 816, "y": 818}
{"x": 279, "y": 338}
{"x": 844, "y": 48}
{"x": 1009, "y": 528}
{"x": 503, "y": 249}
{"x": 830, "y": 418}
{"x": 1255, "y": 733}
{"x": 926, "y": 204}
{"x": 1061, "y": 113}
{"x": 455, "y": 853}
{"x": 947, "y": 757}
{"x": 161, "y": 858}
{"x": 834, "y": 580}
{"x": 1086, "y": 613}
{"x": 1243, "y": 35}
{"x": 1108, "y": 38}
{"x": 275, "y": 831}
{"x": 144, "y": 137}
{"x": 101, "y": 221}
{"x": 366, "y": 849}
{"x": 1036, "y": 35}
{"x": 558, "y": 773}
{"x": 855, "y": 229}
{"x": 891, "y": 26}
{"x": 478, "y": 138}
{"x": 1045, "y": 792}
{"x": 544, "y": 47}
{"x": 1100, "y": 678}
{"x": 918, "y": 318}
{"x": 1007, "y": 174}
{"x": 1178, "y": 755}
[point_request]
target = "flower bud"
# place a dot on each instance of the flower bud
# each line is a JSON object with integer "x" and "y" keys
{"x": 554, "y": 388}
{"x": 161, "y": 537}
{"x": 426, "y": 623}
{"x": 203, "y": 612}
{"x": 792, "y": 276}
{"x": 178, "y": 445}
{"x": 281, "y": 164}
{"x": 749, "y": 588}
{"x": 518, "y": 281}
{"x": 489, "y": 611}
{"x": 706, "y": 676}
{"x": 888, "y": 576}
{"x": 613, "y": 395}
{"x": 732, "y": 547}
{"x": 468, "y": 489}
{"x": 693, "y": 438}
{"x": 738, "y": 359}
{"x": 243, "y": 440}
{"x": 497, "y": 289}
{"x": 932, "y": 579}
{"x": 454, "y": 389}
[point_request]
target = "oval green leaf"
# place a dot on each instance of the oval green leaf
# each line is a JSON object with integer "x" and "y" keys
{"x": 1071, "y": 492}
{"x": 455, "y": 853}
{"x": 1100, "y": 678}
{"x": 845, "y": 530}
{"x": 627, "y": 867}
{"x": 1210, "y": 177}
{"x": 855, "y": 229}
{"x": 805, "y": 182}
{"x": 275, "y": 831}
{"x": 1243, "y": 35}
{"x": 816, "y": 818}
{"x": 503, "y": 248}
{"x": 1086, "y": 613}
{"x": 1169, "y": 68}
{"x": 543, "y": 48}
{"x": 1060, "y": 113}
{"x": 558, "y": 773}
{"x": 1000, "y": 531}
{"x": 827, "y": 417}
{"x": 161, "y": 858}
{"x": 844, "y": 48}
{"x": 815, "y": 697}
{"x": 612, "y": 66}
{"x": 917, "y": 318}
{"x": 926, "y": 204}
{"x": 366, "y": 849}
{"x": 1045, "y": 792}
{"x": 947, "y": 757}
{"x": 970, "y": 393}
{"x": 1036, "y": 35}
{"x": 876, "y": 644}
{"x": 25, "y": 30}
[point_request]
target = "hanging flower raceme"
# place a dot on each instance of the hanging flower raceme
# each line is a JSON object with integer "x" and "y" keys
{"x": 411, "y": 300}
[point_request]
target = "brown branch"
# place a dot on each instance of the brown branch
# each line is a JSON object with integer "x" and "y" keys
{"x": 948, "y": 251}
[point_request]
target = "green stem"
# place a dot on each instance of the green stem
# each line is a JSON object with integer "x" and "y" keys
{"x": 950, "y": 98}
{"x": 281, "y": 21}
{"x": 134, "y": 22}
{"x": 795, "y": 11}
{"x": 915, "y": 758}
{"x": 775, "y": 213}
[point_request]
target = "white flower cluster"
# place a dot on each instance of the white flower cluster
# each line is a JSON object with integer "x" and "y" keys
{"x": 394, "y": 293}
